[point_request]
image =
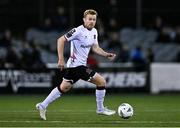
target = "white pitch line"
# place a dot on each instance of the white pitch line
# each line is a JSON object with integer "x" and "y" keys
{"x": 85, "y": 122}
{"x": 82, "y": 111}
{"x": 63, "y": 110}
{"x": 161, "y": 110}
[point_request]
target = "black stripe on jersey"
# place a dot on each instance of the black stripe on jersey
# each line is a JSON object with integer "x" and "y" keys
{"x": 70, "y": 33}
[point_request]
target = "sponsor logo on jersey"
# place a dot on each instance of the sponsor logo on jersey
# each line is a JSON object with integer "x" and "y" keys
{"x": 85, "y": 46}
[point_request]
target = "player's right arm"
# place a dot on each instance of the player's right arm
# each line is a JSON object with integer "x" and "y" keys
{"x": 60, "y": 48}
{"x": 69, "y": 36}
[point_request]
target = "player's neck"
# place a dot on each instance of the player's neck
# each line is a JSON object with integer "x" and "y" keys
{"x": 87, "y": 28}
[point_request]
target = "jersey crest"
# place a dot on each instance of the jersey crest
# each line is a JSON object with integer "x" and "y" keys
{"x": 94, "y": 36}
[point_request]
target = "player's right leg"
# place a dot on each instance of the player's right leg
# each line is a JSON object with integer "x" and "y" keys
{"x": 55, "y": 93}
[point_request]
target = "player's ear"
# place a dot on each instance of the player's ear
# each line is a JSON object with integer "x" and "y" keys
{"x": 84, "y": 19}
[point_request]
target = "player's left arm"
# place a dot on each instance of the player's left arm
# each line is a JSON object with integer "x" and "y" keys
{"x": 98, "y": 50}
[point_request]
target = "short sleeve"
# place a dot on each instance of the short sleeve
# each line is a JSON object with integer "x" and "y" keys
{"x": 71, "y": 34}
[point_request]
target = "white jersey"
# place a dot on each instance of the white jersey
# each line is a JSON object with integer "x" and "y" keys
{"x": 81, "y": 40}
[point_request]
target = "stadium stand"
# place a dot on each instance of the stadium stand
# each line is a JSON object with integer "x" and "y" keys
{"x": 161, "y": 36}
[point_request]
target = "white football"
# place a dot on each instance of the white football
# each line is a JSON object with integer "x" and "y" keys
{"x": 125, "y": 110}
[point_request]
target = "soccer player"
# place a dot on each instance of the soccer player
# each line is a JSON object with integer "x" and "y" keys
{"x": 82, "y": 39}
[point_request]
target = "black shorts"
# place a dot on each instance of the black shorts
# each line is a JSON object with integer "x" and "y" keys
{"x": 81, "y": 72}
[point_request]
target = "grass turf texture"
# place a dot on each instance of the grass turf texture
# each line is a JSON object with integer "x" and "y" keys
{"x": 79, "y": 111}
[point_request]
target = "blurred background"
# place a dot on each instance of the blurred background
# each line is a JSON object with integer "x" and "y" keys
{"x": 145, "y": 35}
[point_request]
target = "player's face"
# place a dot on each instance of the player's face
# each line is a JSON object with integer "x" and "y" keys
{"x": 89, "y": 21}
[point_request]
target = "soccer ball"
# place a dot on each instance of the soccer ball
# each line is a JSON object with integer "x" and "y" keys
{"x": 125, "y": 111}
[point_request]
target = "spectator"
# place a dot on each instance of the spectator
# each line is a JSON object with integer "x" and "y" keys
{"x": 2, "y": 62}
{"x": 32, "y": 57}
{"x": 137, "y": 56}
{"x": 164, "y": 35}
{"x": 159, "y": 23}
{"x": 61, "y": 19}
{"x": 114, "y": 42}
{"x": 150, "y": 55}
{"x": 3, "y": 54}
{"x": 36, "y": 58}
{"x": 114, "y": 11}
{"x": 6, "y": 39}
{"x": 113, "y": 25}
{"x": 47, "y": 27}
{"x": 123, "y": 55}
{"x": 12, "y": 58}
{"x": 26, "y": 59}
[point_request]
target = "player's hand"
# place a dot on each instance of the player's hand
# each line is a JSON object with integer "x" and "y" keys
{"x": 111, "y": 56}
{"x": 61, "y": 64}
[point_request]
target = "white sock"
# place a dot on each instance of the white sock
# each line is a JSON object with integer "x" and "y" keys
{"x": 55, "y": 93}
{"x": 100, "y": 94}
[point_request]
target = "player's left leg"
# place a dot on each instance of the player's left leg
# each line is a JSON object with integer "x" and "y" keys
{"x": 100, "y": 82}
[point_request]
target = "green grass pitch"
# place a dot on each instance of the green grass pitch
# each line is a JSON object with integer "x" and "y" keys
{"x": 79, "y": 111}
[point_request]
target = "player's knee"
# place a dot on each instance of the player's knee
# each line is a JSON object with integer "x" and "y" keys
{"x": 102, "y": 82}
{"x": 65, "y": 86}
{"x": 64, "y": 89}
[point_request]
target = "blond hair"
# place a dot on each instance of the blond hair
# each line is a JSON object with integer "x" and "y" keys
{"x": 90, "y": 11}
